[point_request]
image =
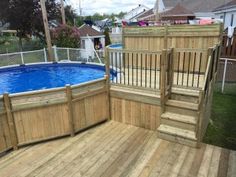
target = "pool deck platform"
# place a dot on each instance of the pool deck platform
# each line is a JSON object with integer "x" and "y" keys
{"x": 115, "y": 149}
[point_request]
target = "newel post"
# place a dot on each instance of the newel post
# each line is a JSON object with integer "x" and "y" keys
{"x": 70, "y": 109}
{"x": 10, "y": 121}
{"x": 163, "y": 79}
{"x": 107, "y": 77}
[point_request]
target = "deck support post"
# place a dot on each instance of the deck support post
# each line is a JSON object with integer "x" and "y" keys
{"x": 10, "y": 121}
{"x": 107, "y": 76}
{"x": 70, "y": 109}
{"x": 163, "y": 79}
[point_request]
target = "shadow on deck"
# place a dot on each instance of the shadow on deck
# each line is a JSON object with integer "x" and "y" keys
{"x": 115, "y": 149}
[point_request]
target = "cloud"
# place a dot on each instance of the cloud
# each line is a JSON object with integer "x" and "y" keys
{"x": 90, "y": 7}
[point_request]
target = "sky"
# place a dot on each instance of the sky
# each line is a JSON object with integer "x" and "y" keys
{"x": 90, "y": 7}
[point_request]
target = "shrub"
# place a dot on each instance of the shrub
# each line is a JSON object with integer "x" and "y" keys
{"x": 66, "y": 36}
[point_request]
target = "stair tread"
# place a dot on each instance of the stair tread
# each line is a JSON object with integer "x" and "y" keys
{"x": 177, "y": 132}
{"x": 179, "y": 117}
{"x": 182, "y": 104}
{"x": 186, "y": 92}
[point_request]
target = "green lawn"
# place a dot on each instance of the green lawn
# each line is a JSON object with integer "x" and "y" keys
{"x": 10, "y": 44}
{"x": 222, "y": 127}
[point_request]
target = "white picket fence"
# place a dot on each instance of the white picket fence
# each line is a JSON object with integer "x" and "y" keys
{"x": 60, "y": 54}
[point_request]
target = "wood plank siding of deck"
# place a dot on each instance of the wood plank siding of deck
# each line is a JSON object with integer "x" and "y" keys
{"x": 115, "y": 149}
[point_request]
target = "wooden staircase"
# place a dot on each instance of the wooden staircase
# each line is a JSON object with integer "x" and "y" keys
{"x": 180, "y": 117}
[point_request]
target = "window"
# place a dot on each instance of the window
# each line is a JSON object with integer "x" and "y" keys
{"x": 232, "y": 20}
{"x": 82, "y": 45}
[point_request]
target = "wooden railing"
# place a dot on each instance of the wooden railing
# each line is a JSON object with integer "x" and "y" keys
{"x": 37, "y": 116}
{"x": 206, "y": 93}
{"x": 183, "y": 68}
{"x": 135, "y": 68}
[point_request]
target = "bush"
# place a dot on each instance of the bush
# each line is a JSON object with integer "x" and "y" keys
{"x": 66, "y": 36}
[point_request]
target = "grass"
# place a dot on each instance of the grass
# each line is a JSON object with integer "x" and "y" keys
{"x": 221, "y": 130}
{"x": 10, "y": 44}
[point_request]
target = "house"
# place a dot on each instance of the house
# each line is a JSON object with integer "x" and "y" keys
{"x": 91, "y": 40}
{"x": 227, "y": 12}
{"x": 134, "y": 14}
{"x": 177, "y": 14}
{"x": 150, "y": 15}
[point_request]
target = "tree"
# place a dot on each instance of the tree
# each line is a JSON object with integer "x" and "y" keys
{"x": 25, "y": 16}
{"x": 66, "y": 36}
{"x": 107, "y": 37}
{"x": 70, "y": 15}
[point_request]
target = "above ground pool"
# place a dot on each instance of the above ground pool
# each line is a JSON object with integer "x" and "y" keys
{"x": 45, "y": 76}
{"x": 116, "y": 46}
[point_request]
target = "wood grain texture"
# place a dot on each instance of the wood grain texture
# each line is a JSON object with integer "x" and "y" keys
{"x": 116, "y": 149}
{"x": 135, "y": 113}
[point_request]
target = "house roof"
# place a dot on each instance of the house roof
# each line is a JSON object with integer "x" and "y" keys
{"x": 146, "y": 14}
{"x": 178, "y": 10}
{"x": 231, "y": 4}
{"x": 197, "y": 5}
{"x": 85, "y": 30}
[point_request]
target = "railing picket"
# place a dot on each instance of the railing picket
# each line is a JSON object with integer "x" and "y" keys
{"x": 194, "y": 62}
{"x": 199, "y": 70}
{"x": 116, "y": 67}
{"x": 128, "y": 68}
{"x": 183, "y": 69}
{"x": 150, "y": 70}
{"x": 146, "y": 70}
{"x": 155, "y": 77}
{"x": 124, "y": 62}
{"x": 120, "y": 66}
{"x": 112, "y": 62}
{"x": 132, "y": 69}
{"x": 136, "y": 69}
{"x": 178, "y": 68}
{"x": 141, "y": 70}
{"x": 189, "y": 59}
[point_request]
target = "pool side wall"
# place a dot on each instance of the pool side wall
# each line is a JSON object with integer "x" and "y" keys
{"x": 38, "y": 116}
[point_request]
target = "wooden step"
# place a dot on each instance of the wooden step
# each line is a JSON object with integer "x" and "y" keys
{"x": 177, "y": 132}
{"x": 179, "y": 121}
{"x": 182, "y": 104}
{"x": 182, "y": 111}
{"x": 179, "y": 118}
{"x": 186, "y": 98}
{"x": 187, "y": 92}
{"x": 178, "y": 135}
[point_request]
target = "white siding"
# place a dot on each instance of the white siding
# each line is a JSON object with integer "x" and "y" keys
{"x": 227, "y": 15}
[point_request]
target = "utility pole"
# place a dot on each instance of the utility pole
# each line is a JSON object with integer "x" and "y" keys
{"x": 157, "y": 10}
{"x": 63, "y": 13}
{"x": 80, "y": 8}
{"x": 46, "y": 28}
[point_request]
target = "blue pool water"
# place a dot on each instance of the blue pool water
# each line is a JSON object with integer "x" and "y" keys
{"x": 37, "y": 77}
{"x": 116, "y": 46}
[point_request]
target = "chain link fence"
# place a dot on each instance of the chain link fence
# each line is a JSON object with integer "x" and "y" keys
{"x": 59, "y": 54}
{"x": 226, "y": 78}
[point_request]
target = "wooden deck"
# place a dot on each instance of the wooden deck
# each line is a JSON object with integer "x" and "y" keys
{"x": 115, "y": 149}
{"x": 151, "y": 78}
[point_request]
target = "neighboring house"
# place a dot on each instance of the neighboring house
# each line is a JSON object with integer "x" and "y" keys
{"x": 178, "y": 14}
{"x": 227, "y": 12}
{"x": 53, "y": 24}
{"x": 102, "y": 24}
{"x": 150, "y": 15}
{"x": 201, "y": 8}
{"x": 91, "y": 41}
{"x": 4, "y": 28}
{"x": 134, "y": 14}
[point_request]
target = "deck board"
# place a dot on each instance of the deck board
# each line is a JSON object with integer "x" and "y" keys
{"x": 115, "y": 149}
